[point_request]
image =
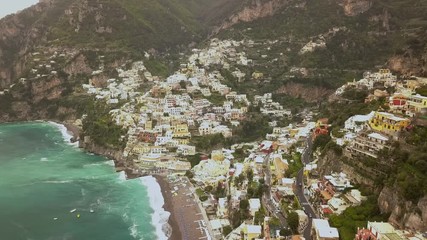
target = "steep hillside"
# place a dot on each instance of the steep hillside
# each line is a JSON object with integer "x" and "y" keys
{"x": 335, "y": 40}
{"x": 131, "y": 26}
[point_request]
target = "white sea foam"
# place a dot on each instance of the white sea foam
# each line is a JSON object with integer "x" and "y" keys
{"x": 110, "y": 162}
{"x": 122, "y": 175}
{"x": 160, "y": 217}
{"x": 66, "y": 135}
{"x": 134, "y": 230}
{"x": 59, "y": 181}
{"x": 92, "y": 164}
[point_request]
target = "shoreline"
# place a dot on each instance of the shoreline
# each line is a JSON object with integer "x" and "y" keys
{"x": 165, "y": 190}
{"x": 168, "y": 206}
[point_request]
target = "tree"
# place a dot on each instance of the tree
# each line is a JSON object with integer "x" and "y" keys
{"x": 259, "y": 217}
{"x": 293, "y": 221}
{"x": 208, "y": 188}
{"x": 226, "y": 230}
{"x": 250, "y": 175}
{"x": 194, "y": 160}
{"x": 220, "y": 190}
{"x": 244, "y": 204}
{"x": 189, "y": 174}
{"x": 239, "y": 180}
{"x": 321, "y": 141}
{"x": 285, "y": 232}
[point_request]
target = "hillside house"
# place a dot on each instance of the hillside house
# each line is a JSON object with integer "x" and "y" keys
{"x": 388, "y": 123}
{"x": 322, "y": 231}
{"x": 367, "y": 144}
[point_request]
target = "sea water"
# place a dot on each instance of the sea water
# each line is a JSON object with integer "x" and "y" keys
{"x": 43, "y": 178}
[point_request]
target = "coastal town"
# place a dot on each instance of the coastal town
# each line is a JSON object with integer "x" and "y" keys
{"x": 216, "y": 120}
{"x": 267, "y": 189}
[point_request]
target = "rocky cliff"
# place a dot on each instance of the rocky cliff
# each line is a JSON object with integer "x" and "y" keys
{"x": 404, "y": 214}
{"x": 308, "y": 93}
{"x": 254, "y": 10}
{"x": 355, "y": 7}
{"x": 19, "y": 34}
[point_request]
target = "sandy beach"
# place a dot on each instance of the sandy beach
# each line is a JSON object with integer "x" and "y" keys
{"x": 167, "y": 196}
{"x": 186, "y": 218}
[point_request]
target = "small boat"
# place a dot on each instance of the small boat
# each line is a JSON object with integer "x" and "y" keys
{"x": 55, "y": 218}
{"x": 92, "y": 211}
{"x": 78, "y": 215}
{"x": 73, "y": 210}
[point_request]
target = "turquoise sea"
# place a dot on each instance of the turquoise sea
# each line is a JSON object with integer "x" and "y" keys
{"x": 43, "y": 178}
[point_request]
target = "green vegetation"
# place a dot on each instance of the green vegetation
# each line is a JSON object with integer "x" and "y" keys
{"x": 226, "y": 230}
{"x": 157, "y": 67}
{"x": 255, "y": 189}
{"x": 410, "y": 160}
{"x": 259, "y": 216}
{"x": 293, "y": 221}
{"x": 101, "y": 129}
{"x": 354, "y": 217}
{"x": 422, "y": 90}
{"x": 339, "y": 111}
{"x": 201, "y": 194}
{"x": 216, "y": 99}
{"x": 208, "y": 142}
{"x": 6, "y": 104}
{"x": 321, "y": 141}
{"x": 294, "y": 166}
{"x": 194, "y": 160}
{"x": 253, "y": 127}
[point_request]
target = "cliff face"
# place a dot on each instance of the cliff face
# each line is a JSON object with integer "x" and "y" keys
{"x": 409, "y": 64}
{"x": 330, "y": 162}
{"x": 253, "y": 11}
{"x": 19, "y": 33}
{"x": 355, "y": 7}
{"x": 405, "y": 214}
{"x": 308, "y": 93}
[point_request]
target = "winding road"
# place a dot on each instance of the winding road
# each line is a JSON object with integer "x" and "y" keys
{"x": 305, "y": 204}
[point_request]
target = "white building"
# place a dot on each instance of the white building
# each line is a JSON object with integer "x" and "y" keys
{"x": 321, "y": 230}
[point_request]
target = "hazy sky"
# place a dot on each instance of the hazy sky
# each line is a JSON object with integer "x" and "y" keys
{"x": 12, "y": 6}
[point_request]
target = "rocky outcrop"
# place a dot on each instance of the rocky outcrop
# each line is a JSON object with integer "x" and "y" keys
{"x": 306, "y": 92}
{"x": 253, "y": 11}
{"x": 46, "y": 89}
{"x": 19, "y": 34}
{"x": 117, "y": 155}
{"x": 78, "y": 65}
{"x": 329, "y": 163}
{"x": 120, "y": 161}
{"x": 408, "y": 64}
{"x": 404, "y": 214}
{"x": 355, "y": 7}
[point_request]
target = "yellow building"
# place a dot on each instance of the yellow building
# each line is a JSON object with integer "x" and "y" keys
{"x": 217, "y": 155}
{"x": 417, "y": 103}
{"x": 181, "y": 131}
{"x": 387, "y": 122}
{"x": 384, "y": 71}
{"x": 149, "y": 125}
{"x": 183, "y": 141}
